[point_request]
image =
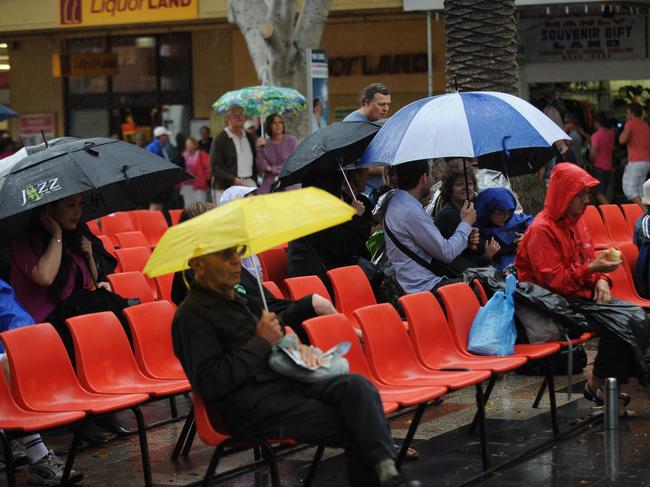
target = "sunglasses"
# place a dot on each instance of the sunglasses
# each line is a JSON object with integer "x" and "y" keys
{"x": 232, "y": 251}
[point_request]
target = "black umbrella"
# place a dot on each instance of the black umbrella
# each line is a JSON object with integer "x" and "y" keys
{"x": 336, "y": 146}
{"x": 112, "y": 176}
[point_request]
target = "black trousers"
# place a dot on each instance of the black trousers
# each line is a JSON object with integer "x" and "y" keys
{"x": 614, "y": 358}
{"x": 623, "y": 330}
{"x": 343, "y": 412}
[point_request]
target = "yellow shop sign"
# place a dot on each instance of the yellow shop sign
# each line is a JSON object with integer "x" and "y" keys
{"x": 83, "y": 13}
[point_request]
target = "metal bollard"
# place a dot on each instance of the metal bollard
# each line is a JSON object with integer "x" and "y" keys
{"x": 611, "y": 404}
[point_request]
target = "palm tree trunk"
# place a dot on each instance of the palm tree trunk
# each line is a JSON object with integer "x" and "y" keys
{"x": 481, "y": 45}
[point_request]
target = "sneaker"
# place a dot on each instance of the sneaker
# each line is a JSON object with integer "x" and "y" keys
{"x": 17, "y": 453}
{"x": 49, "y": 471}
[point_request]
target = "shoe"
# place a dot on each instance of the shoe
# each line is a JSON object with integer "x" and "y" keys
{"x": 49, "y": 471}
{"x": 112, "y": 425}
{"x": 17, "y": 454}
{"x": 399, "y": 481}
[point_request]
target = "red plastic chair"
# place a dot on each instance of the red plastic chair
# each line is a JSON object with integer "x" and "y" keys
{"x": 632, "y": 213}
{"x": 351, "y": 290}
{"x": 115, "y": 223}
{"x": 45, "y": 381}
{"x": 16, "y": 422}
{"x": 630, "y": 255}
{"x": 131, "y": 285}
{"x": 175, "y": 216}
{"x": 219, "y": 438}
{"x": 596, "y": 228}
{"x": 327, "y": 331}
{"x": 274, "y": 265}
{"x": 164, "y": 287}
{"x": 273, "y": 289}
{"x": 461, "y": 307}
{"x": 299, "y": 287}
{"x": 151, "y": 223}
{"x": 393, "y": 361}
{"x": 93, "y": 226}
{"x": 434, "y": 343}
{"x": 151, "y": 329}
{"x": 623, "y": 287}
{"x": 133, "y": 258}
{"x": 105, "y": 362}
{"x": 108, "y": 246}
{"x": 131, "y": 239}
{"x": 615, "y": 223}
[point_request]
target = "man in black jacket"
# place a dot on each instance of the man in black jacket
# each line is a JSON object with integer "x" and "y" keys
{"x": 223, "y": 341}
{"x": 232, "y": 155}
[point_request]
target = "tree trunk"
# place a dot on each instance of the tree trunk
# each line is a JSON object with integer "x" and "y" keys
{"x": 481, "y": 56}
{"x": 481, "y": 45}
{"x": 277, "y": 42}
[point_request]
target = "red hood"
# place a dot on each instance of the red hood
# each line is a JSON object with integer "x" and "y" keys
{"x": 567, "y": 180}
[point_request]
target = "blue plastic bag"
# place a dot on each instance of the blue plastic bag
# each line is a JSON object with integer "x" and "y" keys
{"x": 493, "y": 330}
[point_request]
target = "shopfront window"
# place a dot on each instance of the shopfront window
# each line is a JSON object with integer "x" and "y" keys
{"x": 153, "y": 87}
{"x": 136, "y": 58}
{"x": 87, "y": 84}
{"x": 174, "y": 63}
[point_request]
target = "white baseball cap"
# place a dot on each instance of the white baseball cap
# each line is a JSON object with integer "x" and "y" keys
{"x": 158, "y": 131}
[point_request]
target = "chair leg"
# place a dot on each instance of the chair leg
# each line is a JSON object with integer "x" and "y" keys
{"x": 214, "y": 463}
{"x": 183, "y": 434}
{"x": 72, "y": 453}
{"x": 311, "y": 475}
{"x": 257, "y": 454}
{"x": 144, "y": 446}
{"x": 189, "y": 440}
{"x": 415, "y": 422}
{"x": 9, "y": 459}
{"x": 480, "y": 405}
{"x": 550, "y": 380}
{"x": 273, "y": 463}
{"x": 540, "y": 393}
{"x": 486, "y": 396}
{"x": 172, "y": 407}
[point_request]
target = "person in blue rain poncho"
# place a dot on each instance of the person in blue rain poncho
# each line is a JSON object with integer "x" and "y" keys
{"x": 496, "y": 219}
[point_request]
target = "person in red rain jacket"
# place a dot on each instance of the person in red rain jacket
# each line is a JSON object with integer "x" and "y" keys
{"x": 557, "y": 253}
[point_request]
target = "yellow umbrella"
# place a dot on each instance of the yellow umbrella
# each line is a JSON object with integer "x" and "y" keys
{"x": 259, "y": 222}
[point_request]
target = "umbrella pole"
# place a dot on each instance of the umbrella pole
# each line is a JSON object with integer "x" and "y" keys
{"x": 259, "y": 283}
{"x": 469, "y": 197}
{"x": 347, "y": 181}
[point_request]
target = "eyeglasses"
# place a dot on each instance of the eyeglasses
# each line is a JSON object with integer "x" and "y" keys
{"x": 232, "y": 251}
{"x": 236, "y": 114}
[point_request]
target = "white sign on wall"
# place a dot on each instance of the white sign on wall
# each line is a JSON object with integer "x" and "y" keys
{"x": 583, "y": 38}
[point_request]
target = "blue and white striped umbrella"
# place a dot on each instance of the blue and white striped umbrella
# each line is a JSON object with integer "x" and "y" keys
{"x": 498, "y": 128}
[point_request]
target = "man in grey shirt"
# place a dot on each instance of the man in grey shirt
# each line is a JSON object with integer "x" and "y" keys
{"x": 375, "y": 104}
{"x": 409, "y": 223}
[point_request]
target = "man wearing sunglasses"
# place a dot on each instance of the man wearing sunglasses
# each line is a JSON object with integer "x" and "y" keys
{"x": 223, "y": 341}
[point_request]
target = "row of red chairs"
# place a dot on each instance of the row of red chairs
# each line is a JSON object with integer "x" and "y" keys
{"x": 615, "y": 229}
{"x": 151, "y": 224}
{"x": 611, "y": 225}
{"x": 110, "y": 376}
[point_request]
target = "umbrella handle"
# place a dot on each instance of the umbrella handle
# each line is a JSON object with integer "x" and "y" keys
{"x": 347, "y": 181}
{"x": 469, "y": 198}
{"x": 258, "y": 277}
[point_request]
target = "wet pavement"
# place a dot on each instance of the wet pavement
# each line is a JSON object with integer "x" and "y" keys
{"x": 521, "y": 448}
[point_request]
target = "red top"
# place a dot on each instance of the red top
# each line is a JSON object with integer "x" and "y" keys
{"x": 638, "y": 145}
{"x": 556, "y": 249}
{"x": 603, "y": 139}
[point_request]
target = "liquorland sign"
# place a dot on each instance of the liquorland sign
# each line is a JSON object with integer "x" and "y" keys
{"x": 83, "y": 13}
